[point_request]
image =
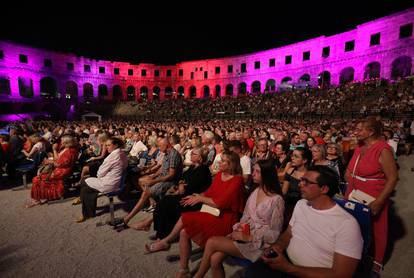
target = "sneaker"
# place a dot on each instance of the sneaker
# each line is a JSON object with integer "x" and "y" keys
{"x": 151, "y": 209}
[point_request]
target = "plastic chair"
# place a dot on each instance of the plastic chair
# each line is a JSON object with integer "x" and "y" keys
{"x": 30, "y": 167}
{"x": 362, "y": 214}
{"x": 111, "y": 196}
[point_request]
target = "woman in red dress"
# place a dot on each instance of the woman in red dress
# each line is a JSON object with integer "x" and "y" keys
{"x": 49, "y": 186}
{"x": 372, "y": 170}
{"x": 227, "y": 194}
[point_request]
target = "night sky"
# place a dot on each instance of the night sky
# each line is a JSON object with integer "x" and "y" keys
{"x": 123, "y": 32}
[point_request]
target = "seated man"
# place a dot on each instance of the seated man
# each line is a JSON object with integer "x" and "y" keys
{"x": 155, "y": 186}
{"x": 322, "y": 239}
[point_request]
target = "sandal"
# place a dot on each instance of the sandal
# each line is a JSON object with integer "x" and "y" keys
{"x": 156, "y": 247}
{"x": 32, "y": 204}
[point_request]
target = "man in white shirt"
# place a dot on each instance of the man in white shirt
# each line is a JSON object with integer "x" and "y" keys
{"x": 138, "y": 146}
{"x": 245, "y": 161}
{"x": 322, "y": 239}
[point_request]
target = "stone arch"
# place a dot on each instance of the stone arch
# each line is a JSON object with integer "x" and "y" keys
{"x": 48, "y": 87}
{"x": 130, "y": 93}
{"x": 5, "y": 86}
{"x": 87, "y": 91}
{"x": 256, "y": 87}
{"x": 217, "y": 90}
{"x": 71, "y": 90}
{"x": 372, "y": 70}
{"x": 242, "y": 89}
{"x": 180, "y": 92}
{"x": 270, "y": 85}
{"x": 401, "y": 67}
{"x": 324, "y": 79}
{"x": 305, "y": 78}
{"x": 168, "y": 92}
{"x": 229, "y": 90}
{"x": 346, "y": 75}
{"x": 193, "y": 91}
{"x": 102, "y": 91}
{"x": 143, "y": 91}
{"x": 206, "y": 91}
{"x": 156, "y": 93}
{"x": 116, "y": 93}
{"x": 286, "y": 79}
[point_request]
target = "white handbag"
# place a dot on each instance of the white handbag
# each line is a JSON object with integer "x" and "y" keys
{"x": 209, "y": 209}
{"x": 361, "y": 197}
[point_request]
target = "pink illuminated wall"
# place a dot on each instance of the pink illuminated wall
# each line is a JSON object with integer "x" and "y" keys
{"x": 211, "y": 77}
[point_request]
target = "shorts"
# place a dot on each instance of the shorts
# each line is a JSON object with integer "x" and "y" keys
{"x": 158, "y": 190}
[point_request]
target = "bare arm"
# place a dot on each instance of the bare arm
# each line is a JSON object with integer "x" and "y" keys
{"x": 391, "y": 177}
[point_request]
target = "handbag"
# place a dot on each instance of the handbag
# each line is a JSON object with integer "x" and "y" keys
{"x": 357, "y": 195}
{"x": 209, "y": 209}
{"x": 361, "y": 197}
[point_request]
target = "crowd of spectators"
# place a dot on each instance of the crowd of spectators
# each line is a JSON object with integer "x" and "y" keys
{"x": 372, "y": 97}
{"x": 275, "y": 163}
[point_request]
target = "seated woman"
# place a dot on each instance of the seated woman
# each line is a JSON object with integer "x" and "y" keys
{"x": 264, "y": 215}
{"x": 195, "y": 180}
{"x": 226, "y": 194}
{"x": 93, "y": 163}
{"x": 108, "y": 178}
{"x": 301, "y": 158}
{"x": 319, "y": 158}
{"x": 333, "y": 154}
{"x": 49, "y": 185}
{"x": 37, "y": 145}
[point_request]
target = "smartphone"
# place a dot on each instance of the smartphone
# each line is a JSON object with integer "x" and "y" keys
{"x": 270, "y": 253}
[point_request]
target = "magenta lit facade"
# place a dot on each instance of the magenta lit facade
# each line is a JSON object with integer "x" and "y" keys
{"x": 27, "y": 72}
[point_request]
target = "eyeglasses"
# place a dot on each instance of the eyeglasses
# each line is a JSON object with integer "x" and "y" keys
{"x": 306, "y": 182}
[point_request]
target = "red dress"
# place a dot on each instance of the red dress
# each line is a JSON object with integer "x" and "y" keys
{"x": 50, "y": 187}
{"x": 229, "y": 197}
{"x": 369, "y": 167}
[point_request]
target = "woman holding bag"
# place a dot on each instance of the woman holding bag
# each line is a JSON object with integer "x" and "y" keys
{"x": 372, "y": 170}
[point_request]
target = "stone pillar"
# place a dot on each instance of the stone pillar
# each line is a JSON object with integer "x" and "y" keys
{"x": 162, "y": 94}
{"x": 36, "y": 87}
{"x": 14, "y": 87}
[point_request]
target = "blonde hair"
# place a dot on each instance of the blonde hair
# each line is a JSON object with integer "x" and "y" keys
{"x": 234, "y": 161}
{"x": 152, "y": 141}
{"x": 69, "y": 141}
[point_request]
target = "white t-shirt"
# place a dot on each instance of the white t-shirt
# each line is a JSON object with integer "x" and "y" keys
{"x": 246, "y": 165}
{"x": 318, "y": 234}
{"x": 137, "y": 148}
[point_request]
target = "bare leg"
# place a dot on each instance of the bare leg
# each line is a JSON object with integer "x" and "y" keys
{"x": 185, "y": 250}
{"x": 217, "y": 248}
{"x": 144, "y": 224}
{"x": 217, "y": 269}
{"x": 144, "y": 198}
{"x": 174, "y": 233}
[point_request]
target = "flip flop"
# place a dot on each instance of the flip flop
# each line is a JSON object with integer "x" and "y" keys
{"x": 156, "y": 247}
{"x": 32, "y": 204}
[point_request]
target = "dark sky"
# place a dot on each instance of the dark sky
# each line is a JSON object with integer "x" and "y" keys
{"x": 122, "y": 32}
